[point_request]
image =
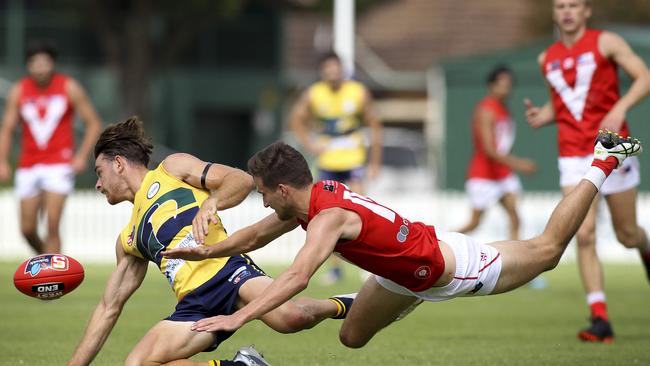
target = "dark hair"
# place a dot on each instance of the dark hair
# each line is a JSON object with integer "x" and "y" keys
{"x": 496, "y": 71}
{"x": 41, "y": 46}
{"x": 127, "y": 139}
{"x": 280, "y": 163}
{"x": 331, "y": 55}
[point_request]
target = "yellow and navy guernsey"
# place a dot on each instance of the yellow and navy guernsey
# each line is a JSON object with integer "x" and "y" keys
{"x": 338, "y": 113}
{"x": 163, "y": 210}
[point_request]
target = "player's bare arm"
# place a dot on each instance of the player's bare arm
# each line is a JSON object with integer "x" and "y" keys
{"x": 299, "y": 121}
{"x": 486, "y": 121}
{"x": 242, "y": 241}
{"x": 9, "y": 123}
{"x": 93, "y": 124}
{"x": 323, "y": 233}
{"x": 228, "y": 187}
{"x": 615, "y": 48}
{"x": 126, "y": 278}
{"x": 376, "y": 135}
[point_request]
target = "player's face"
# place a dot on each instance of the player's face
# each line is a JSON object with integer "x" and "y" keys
{"x": 502, "y": 86}
{"x": 109, "y": 182}
{"x": 331, "y": 71}
{"x": 275, "y": 199}
{"x": 571, "y": 15}
{"x": 40, "y": 67}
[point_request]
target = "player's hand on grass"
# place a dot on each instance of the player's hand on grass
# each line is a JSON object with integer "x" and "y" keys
{"x": 188, "y": 253}
{"x": 207, "y": 214}
{"x": 229, "y": 323}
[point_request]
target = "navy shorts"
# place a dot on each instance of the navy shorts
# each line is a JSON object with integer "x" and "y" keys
{"x": 342, "y": 176}
{"x": 218, "y": 296}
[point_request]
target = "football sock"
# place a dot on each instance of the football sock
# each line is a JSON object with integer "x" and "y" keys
{"x": 343, "y": 304}
{"x": 607, "y": 165}
{"x": 597, "y": 305}
{"x": 600, "y": 170}
{"x": 225, "y": 363}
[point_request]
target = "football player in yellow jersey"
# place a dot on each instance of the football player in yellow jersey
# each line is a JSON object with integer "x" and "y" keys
{"x": 338, "y": 108}
{"x": 167, "y": 201}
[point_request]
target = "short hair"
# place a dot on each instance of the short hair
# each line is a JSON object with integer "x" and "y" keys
{"x": 496, "y": 71}
{"x": 331, "y": 55}
{"x": 280, "y": 163}
{"x": 127, "y": 139}
{"x": 37, "y": 46}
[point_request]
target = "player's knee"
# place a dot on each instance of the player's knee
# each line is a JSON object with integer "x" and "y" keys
{"x": 548, "y": 249}
{"x": 293, "y": 319}
{"x": 586, "y": 238}
{"x": 352, "y": 339}
{"x": 628, "y": 236}
{"x": 137, "y": 358}
{"x": 29, "y": 231}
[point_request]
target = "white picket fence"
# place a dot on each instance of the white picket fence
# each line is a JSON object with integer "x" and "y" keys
{"x": 90, "y": 226}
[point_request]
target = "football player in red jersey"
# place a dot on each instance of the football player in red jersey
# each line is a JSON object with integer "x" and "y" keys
{"x": 45, "y": 102}
{"x": 491, "y": 174}
{"x": 581, "y": 71}
{"x": 411, "y": 261}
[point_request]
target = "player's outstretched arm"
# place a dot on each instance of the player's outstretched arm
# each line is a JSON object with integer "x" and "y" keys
{"x": 126, "y": 278}
{"x": 228, "y": 187}
{"x": 486, "y": 122}
{"x": 323, "y": 233}
{"x": 376, "y": 136}
{"x": 614, "y": 47}
{"x": 242, "y": 241}
{"x": 538, "y": 116}
{"x": 9, "y": 122}
{"x": 89, "y": 116}
{"x": 299, "y": 124}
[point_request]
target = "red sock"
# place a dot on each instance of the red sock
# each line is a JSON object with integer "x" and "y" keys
{"x": 599, "y": 310}
{"x": 607, "y": 166}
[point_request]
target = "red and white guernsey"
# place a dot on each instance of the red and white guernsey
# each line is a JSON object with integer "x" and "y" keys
{"x": 584, "y": 88}
{"x": 46, "y": 113}
{"x": 388, "y": 245}
{"x": 481, "y": 166}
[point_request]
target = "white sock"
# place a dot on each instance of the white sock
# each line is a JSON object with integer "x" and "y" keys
{"x": 596, "y": 176}
{"x": 594, "y": 297}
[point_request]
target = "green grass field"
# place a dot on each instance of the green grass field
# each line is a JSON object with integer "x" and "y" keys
{"x": 525, "y": 327}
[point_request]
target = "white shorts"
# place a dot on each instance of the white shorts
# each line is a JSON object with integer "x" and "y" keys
{"x": 478, "y": 267}
{"x": 484, "y": 193}
{"x": 574, "y": 168}
{"x": 56, "y": 178}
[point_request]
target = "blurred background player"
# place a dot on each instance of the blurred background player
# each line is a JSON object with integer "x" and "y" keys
{"x": 581, "y": 70}
{"x": 339, "y": 107}
{"x": 45, "y": 102}
{"x": 490, "y": 174}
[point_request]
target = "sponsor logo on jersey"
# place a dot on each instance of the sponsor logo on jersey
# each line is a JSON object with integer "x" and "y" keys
{"x": 403, "y": 233}
{"x": 554, "y": 65}
{"x": 153, "y": 189}
{"x": 423, "y": 272}
{"x": 328, "y": 185}
{"x": 568, "y": 63}
{"x": 585, "y": 58}
{"x": 41, "y": 262}
{"x": 239, "y": 274}
{"x": 483, "y": 257}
